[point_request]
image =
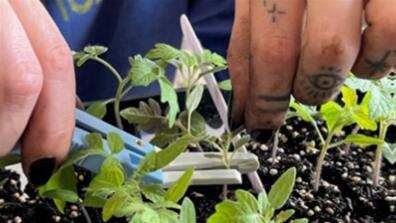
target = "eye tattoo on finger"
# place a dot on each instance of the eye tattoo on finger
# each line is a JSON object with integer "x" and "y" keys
{"x": 323, "y": 84}
{"x": 379, "y": 66}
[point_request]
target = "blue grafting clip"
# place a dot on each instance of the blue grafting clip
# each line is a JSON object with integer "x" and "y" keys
{"x": 134, "y": 151}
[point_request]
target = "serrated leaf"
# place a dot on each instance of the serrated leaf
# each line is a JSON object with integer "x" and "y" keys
{"x": 241, "y": 142}
{"x": 331, "y": 112}
{"x": 111, "y": 175}
{"x": 80, "y": 155}
{"x": 194, "y": 98}
{"x": 363, "y": 120}
{"x": 143, "y": 71}
{"x": 389, "y": 152}
{"x": 179, "y": 188}
{"x": 163, "y": 137}
{"x": 363, "y": 140}
{"x": 187, "y": 213}
{"x": 62, "y": 194}
{"x": 97, "y": 109}
{"x": 147, "y": 117}
{"x": 168, "y": 95}
{"x": 164, "y": 52}
{"x": 113, "y": 204}
{"x": 154, "y": 193}
{"x": 9, "y": 159}
{"x": 115, "y": 142}
{"x": 225, "y": 85}
{"x": 282, "y": 188}
{"x": 349, "y": 96}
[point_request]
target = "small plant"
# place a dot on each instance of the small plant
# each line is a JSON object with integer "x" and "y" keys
{"x": 224, "y": 145}
{"x": 336, "y": 118}
{"x": 119, "y": 195}
{"x": 382, "y": 106}
{"x": 248, "y": 209}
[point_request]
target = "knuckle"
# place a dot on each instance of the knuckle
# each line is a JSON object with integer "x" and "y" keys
{"x": 332, "y": 48}
{"x": 58, "y": 58}
{"x": 26, "y": 80}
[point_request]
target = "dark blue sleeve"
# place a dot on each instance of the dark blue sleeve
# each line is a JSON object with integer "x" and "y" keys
{"x": 130, "y": 27}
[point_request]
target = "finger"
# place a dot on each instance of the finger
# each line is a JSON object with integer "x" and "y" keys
{"x": 377, "y": 57}
{"x": 275, "y": 41}
{"x": 330, "y": 47}
{"x": 238, "y": 60}
{"x": 48, "y": 136}
{"x": 20, "y": 78}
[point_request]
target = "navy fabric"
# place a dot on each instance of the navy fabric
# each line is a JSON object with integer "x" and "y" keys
{"x": 130, "y": 27}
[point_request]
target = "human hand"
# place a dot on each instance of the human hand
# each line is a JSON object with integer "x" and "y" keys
{"x": 37, "y": 88}
{"x": 303, "y": 48}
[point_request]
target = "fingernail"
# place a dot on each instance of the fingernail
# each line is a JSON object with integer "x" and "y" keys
{"x": 230, "y": 121}
{"x": 41, "y": 170}
{"x": 262, "y": 135}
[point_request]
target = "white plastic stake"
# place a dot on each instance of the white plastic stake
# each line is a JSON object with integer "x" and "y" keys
{"x": 195, "y": 45}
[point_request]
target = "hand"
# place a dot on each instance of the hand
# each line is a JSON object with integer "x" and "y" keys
{"x": 37, "y": 87}
{"x": 274, "y": 53}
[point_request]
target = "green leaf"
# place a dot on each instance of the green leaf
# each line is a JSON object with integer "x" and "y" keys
{"x": 349, "y": 96}
{"x": 63, "y": 179}
{"x": 81, "y": 60}
{"x": 389, "y": 152}
{"x": 304, "y": 114}
{"x": 263, "y": 202}
{"x": 97, "y": 109}
{"x": 363, "y": 120}
{"x": 331, "y": 113}
{"x": 198, "y": 123}
{"x": 115, "y": 142}
{"x": 179, "y": 188}
{"x": 143, "y": 71}
{"x": 194, "y": 98}
{"x": 363, "y": 140}
{"x": 63, "y": 195}
{"x": 301, "y": 220}
{"x": 157, "y": 160}
{"x": 164, "y": 52}
{"x": 113, "y": 204}
{"x": 93, "y": 201}
{"x": 168, "y": 95}
{"x": 163, "y": 137}
{"x": 283, "y": 216}
{"x": 241, "y": 142}
{"x": 9, "y": 159}
{"x": 247, "y": 201}
{"x": 94, "y": 141}
{"x": 233, "y": 212}
{"x": 80, "y": 155}
{"x": 147, "y": 117}
{"x": 146, "y": 216}
{"x": 207, "y": 58}
{"x": 111, "y": 175}
{"x": 187, "y": 213}
{"x": 154, "y": 193}
{"x": 282, "y": 188}
{"x": 225, "y": 85}
{"x": 95, "y": 50}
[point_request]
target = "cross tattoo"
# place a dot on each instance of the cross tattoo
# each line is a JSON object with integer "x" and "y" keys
{"x": 275, "y": 12}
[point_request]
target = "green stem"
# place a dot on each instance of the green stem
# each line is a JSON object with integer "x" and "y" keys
{"x": 378, "y": 155}
{"x": 108, "y": 66}
{"x": 315, "y": 125}
{"x": 320, "y": 161}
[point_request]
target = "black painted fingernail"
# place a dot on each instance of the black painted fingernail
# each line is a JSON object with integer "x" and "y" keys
{"x": 230, "y": 121}
{"x": 262, "y": 135}
{"x": 41, "y": 170}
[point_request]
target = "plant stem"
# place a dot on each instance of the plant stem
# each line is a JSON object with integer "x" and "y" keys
{"x": 86, "y": 215}
{"x": 378, "y": 156}
{"x": 120, "y": 88}
{"x": 225, "y": 192}
{"x": 320, "y": 161}
{"x": 79, "y": 103}
{"x": 347, "y": 148}
{"x": 315, "y": 125}
{"x": 275, "y": 146}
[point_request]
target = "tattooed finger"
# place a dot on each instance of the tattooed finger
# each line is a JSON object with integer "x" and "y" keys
{"x": 377, "y": 57}
{"x": 276, "y": 27}
{"x": 329, "y": 54}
